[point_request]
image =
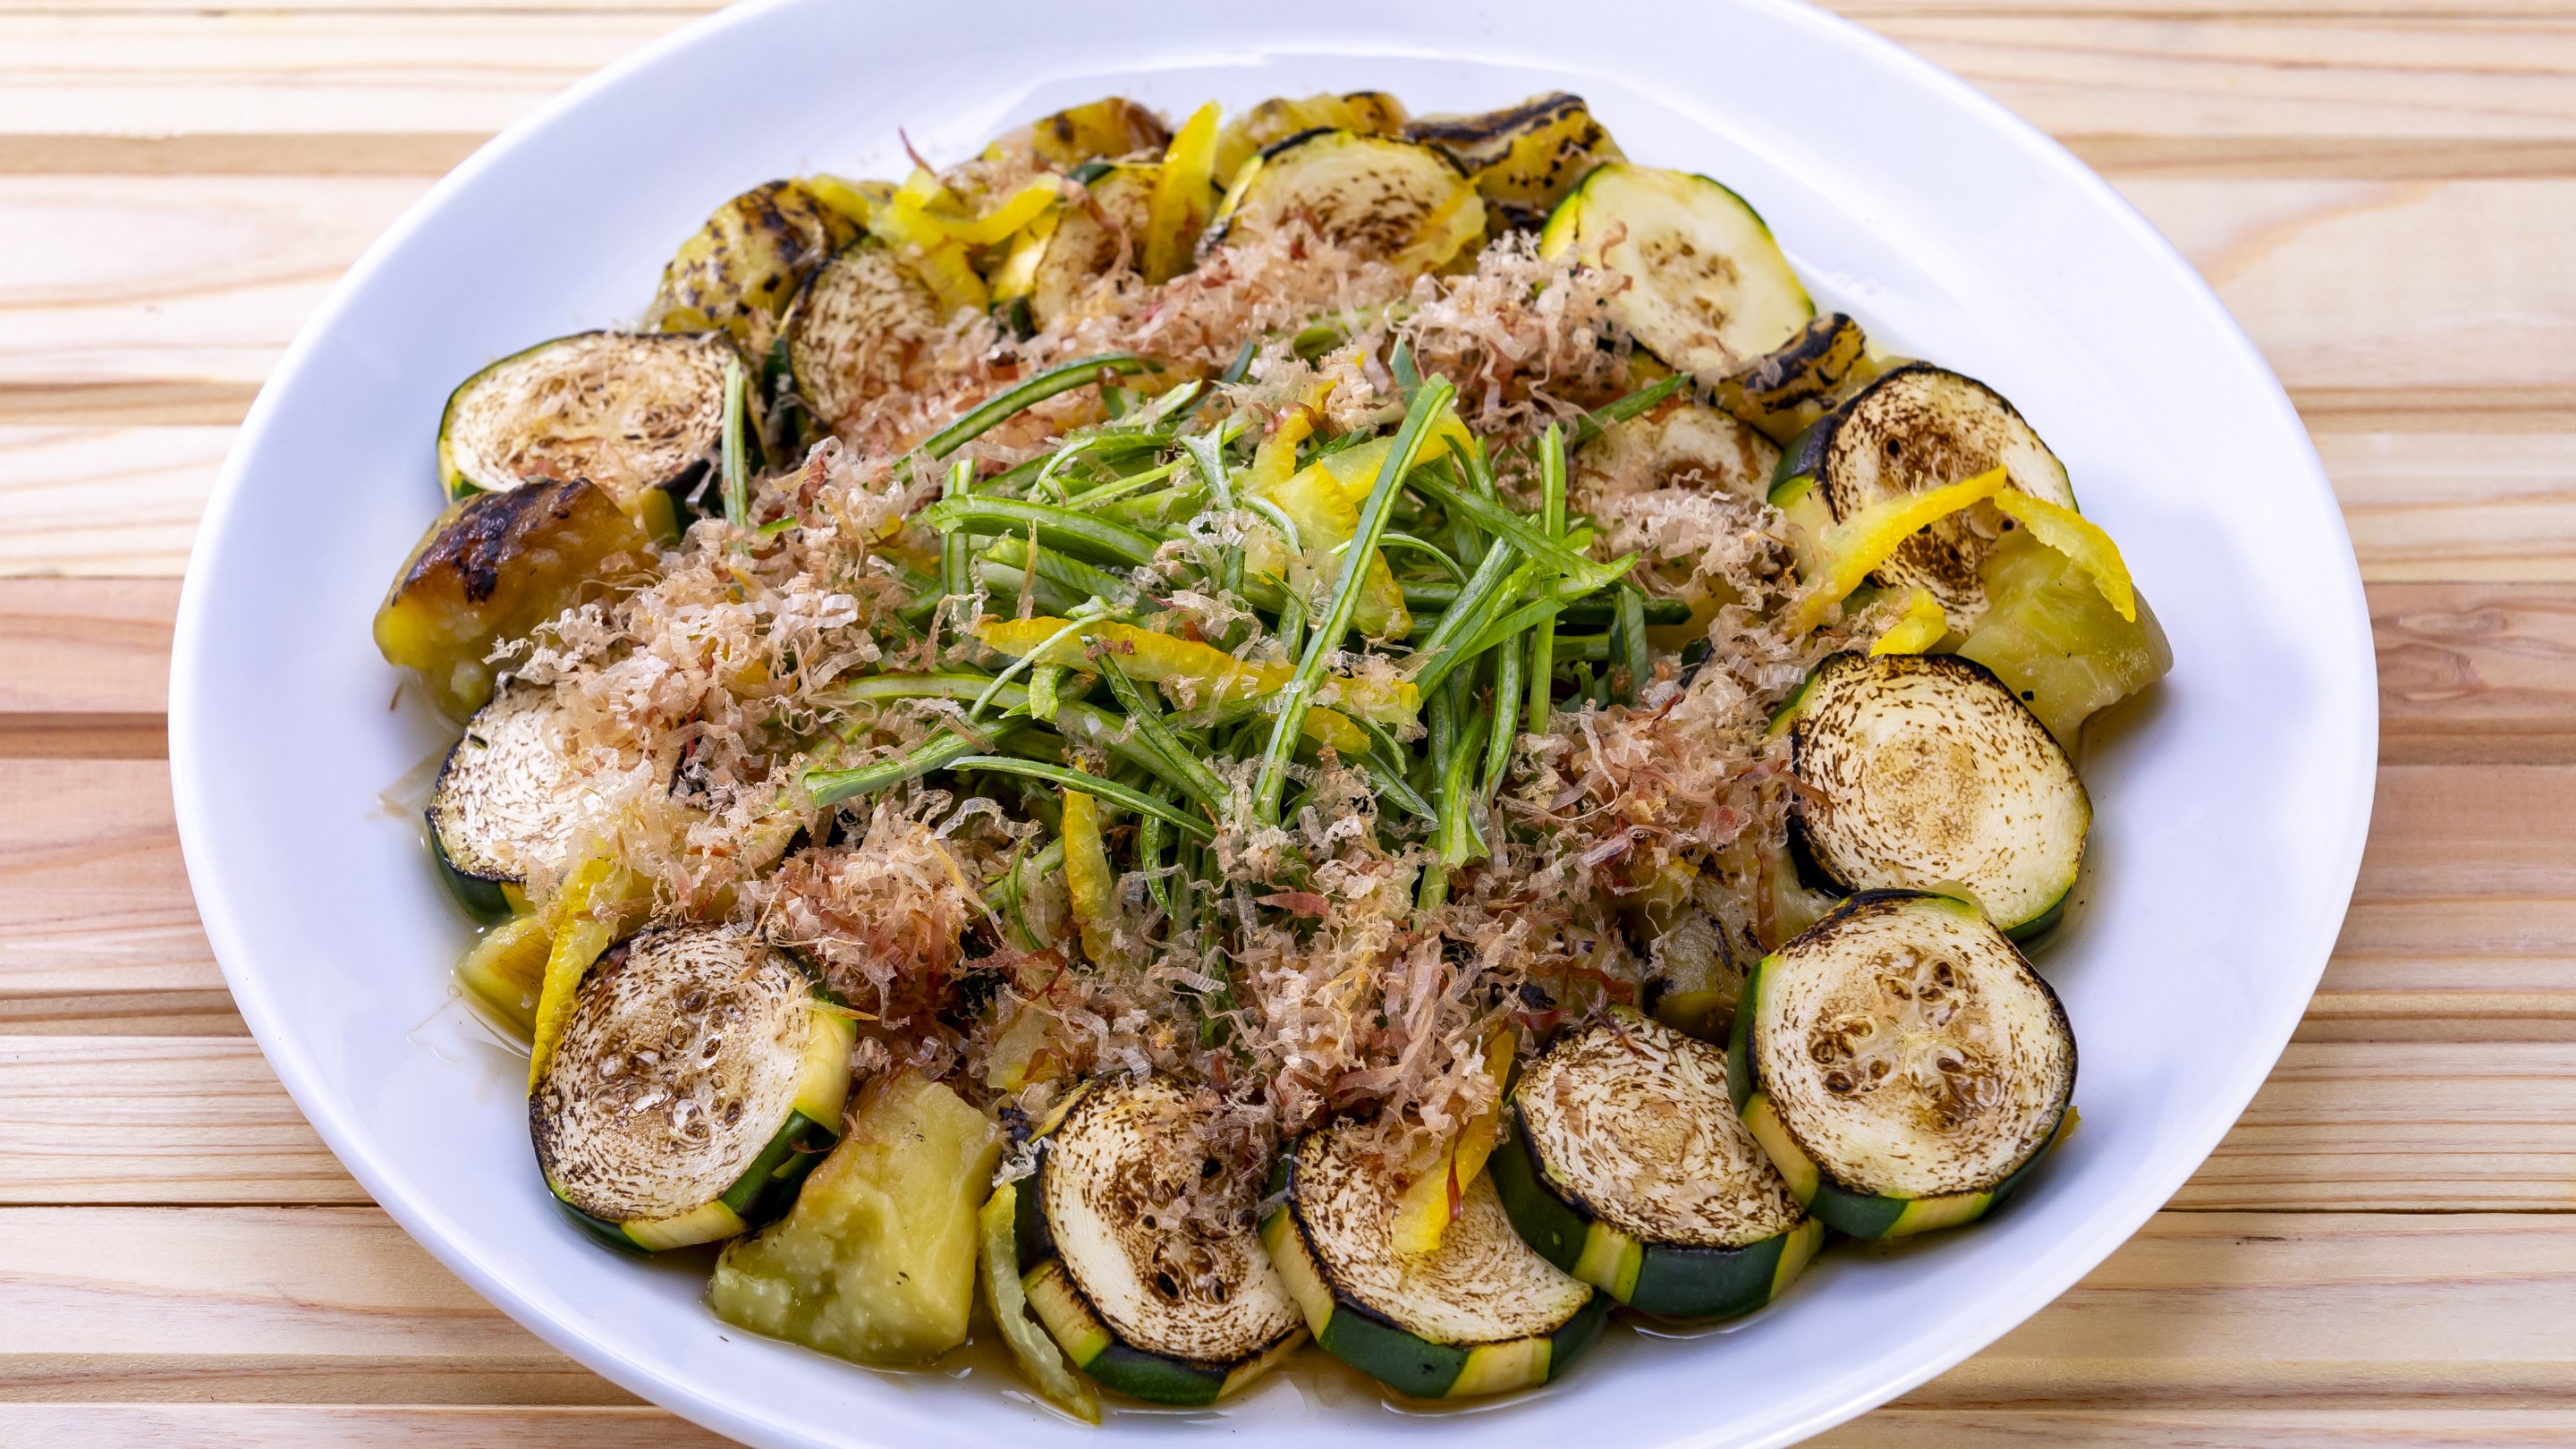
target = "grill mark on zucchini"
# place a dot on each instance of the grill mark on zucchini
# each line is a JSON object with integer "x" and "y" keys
{"x": 693, "y": 1087}
{"x": 1629, "y": 1169}
{"x": 1524, "y": 158}
{"x": 738, "y": 272}
{"x": 1402, "y": 202}
{"x": 1089, "y": 241}
{"x": 629, "y": 412}
{"x": 1914, "y": 428}
{"x": 856, "y": 332}
{"x": 1901, "y": 1064}
{"x": 1926, "y": 773}
{"x": 1159, "y": 1309}
{"x": 1708, "y": 288}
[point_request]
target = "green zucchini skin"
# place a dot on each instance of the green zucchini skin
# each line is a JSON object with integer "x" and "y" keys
{"x": 481, "y": 896}
{"x": 1845, "y": 1209}
{"x": 761, "y": 1195}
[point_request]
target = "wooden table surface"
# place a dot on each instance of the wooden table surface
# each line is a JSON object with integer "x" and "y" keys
{"x": 2381, "y": 1252}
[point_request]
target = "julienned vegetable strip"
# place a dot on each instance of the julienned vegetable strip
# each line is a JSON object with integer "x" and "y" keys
{"x": 1136, "y": 801}
{"x": 1058, "y": 528}
{"x": 1193, "y": 776}
{"x": 734, "y": 459}
{"x": 1542, "y": 669}
{"x": 1327, "y": 636}
{"x": 1061, "y": 378}
{"x": 831, "y": 787}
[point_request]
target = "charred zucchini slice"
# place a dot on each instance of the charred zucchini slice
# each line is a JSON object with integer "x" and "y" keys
{"x": 1371, "y": 113}
{"x": 1923, "y": 772}
{"x": 1708, "y": 291}
{"x": 509, "y": 799}
{"x": 1090, "y": 241}
{"x": 740, "y": 270}
{"x": 700, "y": 1077}
{"x": 1784, "y": 392}
{"x": 1629, "y": 1169}
{"x": 1482, "y": 1313}
{"x": 1110, "y": 126}
{"x": 1401, "y": 202}
{"x": 1920, "y": 427}
{"x": 856, "y": 333}
{"x": 1523, "y": 159}
{"x": 1901, "y": 1064}
{"x": 1154, "y": 1305}
{"x": 631, "y": 412}
{"x": 493, "y": 567}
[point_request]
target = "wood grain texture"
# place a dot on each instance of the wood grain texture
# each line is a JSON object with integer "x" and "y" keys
{"x": 93, "y": 893}
{"x": 157, "y": 1120}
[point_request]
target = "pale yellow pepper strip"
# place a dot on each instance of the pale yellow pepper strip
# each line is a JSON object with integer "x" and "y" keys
{"x": 1326, "y": 519}
{"x": 588, "y": 914}
{"x": 2080, "y": 539}
{"x": 1854, "y": 548}
{"x": 1040, "y": 1359}
{"x": 1919, "y": 628}
{"x": 1087, "y": 877}
{"x": 1184, "y": 196}
{"x": 1355, "y": 469}
{"x": 1210, "y": 674}
{"x": 1423, "y": 1214}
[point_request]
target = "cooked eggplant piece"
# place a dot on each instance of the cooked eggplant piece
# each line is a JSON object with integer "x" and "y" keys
{"x": 493, "y": 567}
{"x": 509, "y": 799}
{"x": 1482, "y": 1313}
{"x": 1784, "y": 392}
{"x": 1916, "y": 428}
{"x": 1628, "y": 1168}
{"x": 1110, "y": 126}
{"x": 1901, "y": 1064}
{"x": 2052, "y": 638}
{"x": 1156, "y": 1306}
{"x": 856, "y": 333}
{"x": 1924, "y": 772}
{"x": 1524, "y": 159}
{"x": 700, "y": 1076}
{"x": 631, "y": 412}
{"x": 876, "y": 1261}
{"x": 742, "y": 268}
{"x": 1370, "y": 113}
{"x": 1708, "y": 291}
{"x": 1399, "y": 201}
{"x": 1090, "y": 241}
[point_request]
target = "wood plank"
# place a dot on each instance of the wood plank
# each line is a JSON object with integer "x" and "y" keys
{"x": 89, "y": 646}
{"x": 118, "y": 502}
{"x": 93, "y": 894}
{"x": 155, "y": 1120}
{"x": 318, "y": 1426}
{"x": 2476, "y": 673}
{"x": 2261, "y": 1428}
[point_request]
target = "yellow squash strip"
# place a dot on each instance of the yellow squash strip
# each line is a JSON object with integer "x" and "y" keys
{"x": 598, "y": 903}
{"x": 1356, "y": 468}
{"x": 1855, "y": 547}
{"x": 1040, "y": 1359}
{"x": 1918, "y": 629}
{"x": 1208, "y": 675}
{"x": 908, "y": 223}
{"x": 1183, "y": 197}
{"x": 506, "y": 970}
{"x": 1423, "y": 1214}
{"x": 1088, "y": 878}
{"x": 1326, "y": 519}
{"x": 2080, "y": 539}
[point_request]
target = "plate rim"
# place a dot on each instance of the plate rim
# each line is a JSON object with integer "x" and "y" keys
{"x": 1992, "y": 1316}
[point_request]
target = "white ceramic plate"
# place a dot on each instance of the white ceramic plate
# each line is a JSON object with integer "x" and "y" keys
{"x": 2231, "y": 808}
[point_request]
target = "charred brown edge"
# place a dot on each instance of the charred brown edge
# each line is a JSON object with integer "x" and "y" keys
{"x": 1344, "y": 1299}
{"x": 1540, "y": 1170}
{"x": 611, "y": 959}
{"x": 1818, "y": 442}
{"x": 482, "y": 537}
{"x": 1471, "y": 134}
{"x": 1806, "y": 367}
{"x": 1294, "y": 140}
{"x": 1840, "y": 919}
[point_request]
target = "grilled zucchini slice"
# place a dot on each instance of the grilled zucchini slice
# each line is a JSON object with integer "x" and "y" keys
{"x": 508, "y": 800}
{"x": 1087, "y": 243}
{"x": 1482, "y": 1313}
{"x": 698, "y": 1080}
{"x": 1110, "y": 126}
{"x": 1628, "y": 1168}
{"x": 1524, "y": 159}
{"x": 1158, "y": 1308}
{"x": 493, "y": 567}
{"x": 1708, "y": 291}
{"x": 1901, "y": 1064}
{"x": 1924, "y": 772}
{"x": 629, "y": 411}
{"x": 740, "y": 270}
{"x": 1401, "y": 202}
{"x": 1370, "y": 113}
{"x": 1919, "y": 427}
{"x": 1784, "y": 392}
{"x": 856, "y": 332}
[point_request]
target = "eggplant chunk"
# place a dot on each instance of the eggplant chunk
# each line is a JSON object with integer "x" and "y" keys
{"x": 1901, "y": 1064}
{"x": 696, "y": 1080}
{"x": 1091, "y": 241}
{"x": 1400, "y": 202}
{"x": 857, "y": 332}
{"x": 1915, "y": 428}
{"x": 1095, "y": 131}
{"x": 1924, "y": 772}
{"x": 1708, "y": 290}
{"x": 1370, "y": 113}
{"x": 631, "y": 412}
{"x": 1524, "y": 159}
{"x": 492, "y": 568}
{"x": 1153, "y": 1304}
{"x": 1785, "y": 391}
{"x": 743, "y": 267}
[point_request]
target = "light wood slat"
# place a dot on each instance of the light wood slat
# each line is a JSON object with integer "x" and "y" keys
{"x": 93, "y": 893}
{"x": 113, "y": 502}
{"x": 2084, "y": 74}
{"x": 203, "y": 281}
{"x": 93, "y": 646}
{"x": 2476, "y": 673}
{"x": 248, "y": 1426}
{"x": 158, "y": 1120}
{"x": 2335, "y": 1314}
{"x": 2264, "y": 1428}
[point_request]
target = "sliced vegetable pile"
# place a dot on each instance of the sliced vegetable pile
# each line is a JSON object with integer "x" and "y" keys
{"x": 1315, "y": 725}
